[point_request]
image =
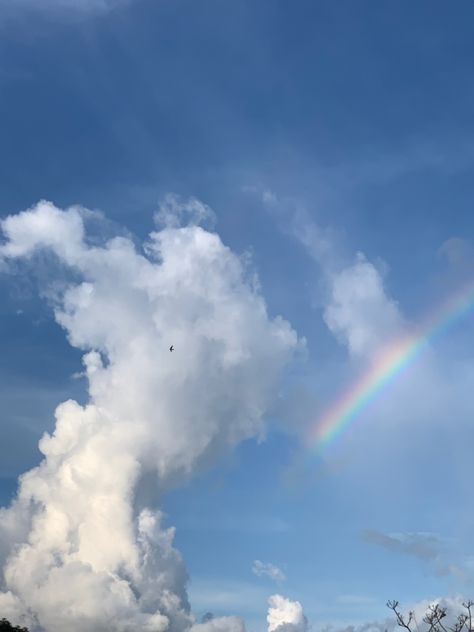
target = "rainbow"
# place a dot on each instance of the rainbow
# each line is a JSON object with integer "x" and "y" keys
{"x": 387, "y": 365}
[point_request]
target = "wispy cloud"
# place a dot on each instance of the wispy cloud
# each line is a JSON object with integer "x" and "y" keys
{"x": 64, "y": 8}
{"x": 294, "y": 218}
{"x": 429, "y": 547}
{"x": 425, "y": 546}
{"x": 266, "y": 569}
{"x": 357, "y": 308}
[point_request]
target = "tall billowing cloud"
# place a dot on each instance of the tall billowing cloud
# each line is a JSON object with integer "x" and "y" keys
{"x": 83, "y": 544}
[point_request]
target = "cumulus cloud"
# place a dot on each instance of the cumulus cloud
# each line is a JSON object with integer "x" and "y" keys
{"x": 360, "y": 313}
{"x": 84, "y": 543}
{"x": 266, "y": 569}
{"x": 356, "y": 306}
{"x": 285, "y": 615}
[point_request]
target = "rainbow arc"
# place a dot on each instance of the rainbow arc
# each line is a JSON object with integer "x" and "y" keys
{"x": 388, "y": 364}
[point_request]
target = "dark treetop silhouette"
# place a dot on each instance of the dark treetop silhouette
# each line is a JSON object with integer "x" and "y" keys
{"x": 6, "y": 626}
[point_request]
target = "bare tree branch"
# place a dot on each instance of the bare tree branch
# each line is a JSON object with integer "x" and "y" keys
{"x": 434, "y": 618}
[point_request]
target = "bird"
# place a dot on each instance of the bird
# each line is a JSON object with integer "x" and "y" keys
{"x": 171, "y": 348}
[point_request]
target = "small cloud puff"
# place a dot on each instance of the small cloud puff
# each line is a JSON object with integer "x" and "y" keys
{"x": 285, "y": 615}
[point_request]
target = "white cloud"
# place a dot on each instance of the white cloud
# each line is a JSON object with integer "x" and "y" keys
{"x": 285, "y": 615}
{"x": 319, "y": 241}
{"x": 360, "y": 313}
{"x": 262, "y": 569}
{"x": 357, "y": 309}
{"x": 81, "y": 549}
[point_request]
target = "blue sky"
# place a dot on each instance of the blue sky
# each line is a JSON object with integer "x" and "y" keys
{"x": 297, "y": 123}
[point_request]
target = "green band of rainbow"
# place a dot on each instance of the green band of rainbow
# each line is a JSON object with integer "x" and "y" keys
{"x": 386, "y": 366}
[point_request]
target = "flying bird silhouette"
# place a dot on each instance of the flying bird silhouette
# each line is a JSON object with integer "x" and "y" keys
{"x": 171, "y": 348}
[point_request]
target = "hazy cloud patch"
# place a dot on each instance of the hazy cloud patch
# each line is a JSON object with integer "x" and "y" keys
{"x": 438, "y": 552}
{"x": 266, "y": 569}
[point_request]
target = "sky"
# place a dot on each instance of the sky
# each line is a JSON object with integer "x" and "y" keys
{"x": 282, "y": 191}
